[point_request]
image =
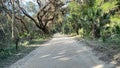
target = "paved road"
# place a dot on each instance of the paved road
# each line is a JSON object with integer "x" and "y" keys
{"x": 61, "y": 52}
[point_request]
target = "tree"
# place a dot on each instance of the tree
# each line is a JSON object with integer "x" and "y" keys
{"x": 73, "y": 16}
{"x": 13, "y": 18}
{"x": 45, "y": 15}
{"x": 92, "y": 15}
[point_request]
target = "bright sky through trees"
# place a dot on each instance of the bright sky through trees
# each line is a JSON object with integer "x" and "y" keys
{"x": 24, "y": 1}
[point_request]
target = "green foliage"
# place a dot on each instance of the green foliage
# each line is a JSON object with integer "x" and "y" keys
{"x": 4, "y": 54}
{"x": 93, "y": 12}
{"x": 72, "y": 22}
{"x": 31, "y": 7}
{"x": 25, "y": 34}
{"x": 108, "y": 5}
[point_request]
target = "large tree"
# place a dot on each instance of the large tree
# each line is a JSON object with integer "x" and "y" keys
{"x": 47, "y": 14}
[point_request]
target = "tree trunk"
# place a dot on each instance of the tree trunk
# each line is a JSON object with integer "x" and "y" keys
{"x": 45, "y": 30}
{"x": 77, "y": 31}
{"x": 95, "y": 31}
{"x": 13, "y": 19}
{"x": 16, "y": 43}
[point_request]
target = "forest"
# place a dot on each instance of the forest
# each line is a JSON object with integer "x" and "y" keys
{"x": 24, "y": 22}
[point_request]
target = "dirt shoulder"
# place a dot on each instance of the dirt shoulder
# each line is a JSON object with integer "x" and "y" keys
{"x": 107, "y": 52}
{"x": 22, "y": 52}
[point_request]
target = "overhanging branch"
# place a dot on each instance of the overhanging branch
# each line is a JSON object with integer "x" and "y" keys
{"x": 24, "y": 12}
{"x": 21, "y": 20}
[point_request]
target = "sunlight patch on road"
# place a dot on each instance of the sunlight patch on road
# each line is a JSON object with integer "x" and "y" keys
{"x": 64, "y": 59}
{"x": 45, "y": 56}
{"x": 99, "y": 66}
{"x": 79, "y": 51}
{"x": 61, "y": 53}
{"x": 57, "y": 57}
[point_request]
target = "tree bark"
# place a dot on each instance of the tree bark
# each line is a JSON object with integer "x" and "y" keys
{"x": 13, "y": 19}
{"x": 96, "y": 31}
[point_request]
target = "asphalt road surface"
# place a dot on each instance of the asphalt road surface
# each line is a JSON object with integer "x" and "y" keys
{"x": 61, "y": 52}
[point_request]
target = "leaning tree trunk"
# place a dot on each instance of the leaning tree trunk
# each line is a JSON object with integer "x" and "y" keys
{"x": 45, "y": 30}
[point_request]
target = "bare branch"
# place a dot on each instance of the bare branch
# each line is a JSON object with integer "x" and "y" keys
{"x": 39, "y": 3}
{"x": 24, "y": 11}
{"x": 21, "y": 20}
{"x": 7, "y": 11}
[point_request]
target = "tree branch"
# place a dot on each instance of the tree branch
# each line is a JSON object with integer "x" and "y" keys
{"x": 50, "y": 19}
{"x": 24, "y": 12}
{"x": 40, "y": 16}
{"x": 39, "y": 3}
{"x": 21, "y": 20}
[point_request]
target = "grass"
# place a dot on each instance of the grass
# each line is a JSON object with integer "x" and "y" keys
{"x": 10, "y": 56}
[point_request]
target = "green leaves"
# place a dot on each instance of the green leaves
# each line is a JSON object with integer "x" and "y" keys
{"x": 108, "y": 6}
{"x": 74, "y": 8}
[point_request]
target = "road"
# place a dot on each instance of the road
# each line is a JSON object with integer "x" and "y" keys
{"x": 61, "y": 52}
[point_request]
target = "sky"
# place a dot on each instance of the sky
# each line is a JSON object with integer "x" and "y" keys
{"x": 42, "y": 0}
{"x": 34, "y": 1}
{"x": 24, "y": 1}
{"x": 27, "y": 0}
